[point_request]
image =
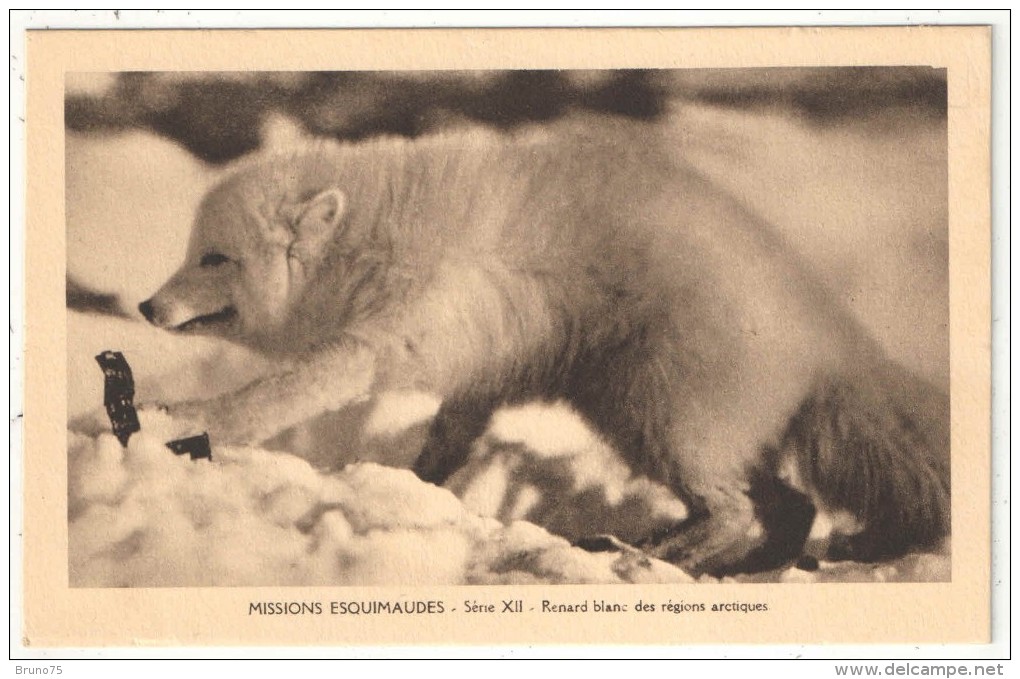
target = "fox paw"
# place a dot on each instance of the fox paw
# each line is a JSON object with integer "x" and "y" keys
{"x": 603, "y": 543}
{"x": 628, "y": 561}
{"x": 176, "y": 420}
{"x": 223, "y": 424}
{"x": 704, "y": 545}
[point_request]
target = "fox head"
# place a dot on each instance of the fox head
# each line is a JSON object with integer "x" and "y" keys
{"x": 255, "y": 246}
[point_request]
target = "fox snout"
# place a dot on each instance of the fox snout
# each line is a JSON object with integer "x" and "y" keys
{"x": 161, "y": 314}
{"x": 190, "y": 303}
{"x": 182, "y": 317}
{"x": 147, "y": 311}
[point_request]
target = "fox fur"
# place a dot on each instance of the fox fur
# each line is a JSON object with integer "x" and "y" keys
{"x": 589, "y": 265}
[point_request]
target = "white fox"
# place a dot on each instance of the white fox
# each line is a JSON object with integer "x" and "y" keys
{"x": 591, "y": 266}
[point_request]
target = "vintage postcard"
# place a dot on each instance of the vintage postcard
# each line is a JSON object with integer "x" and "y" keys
{"x": 344, "y": 337}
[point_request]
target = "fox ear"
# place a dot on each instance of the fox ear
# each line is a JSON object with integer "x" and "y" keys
{"x": 319, "y": 217}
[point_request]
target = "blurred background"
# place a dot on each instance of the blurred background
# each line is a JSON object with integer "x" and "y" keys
{"x": 219, "y": 116}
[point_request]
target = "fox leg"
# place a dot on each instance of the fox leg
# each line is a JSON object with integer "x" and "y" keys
{"x": 874, "y": 444}
{"x": 670, "y": 423}
{"x": 328, "y": 380}
{"x": 732, "y": 510}
{"x": 747, "y": 527}
{"x": 719, "y": 534}
{"x": 459, "y": 422}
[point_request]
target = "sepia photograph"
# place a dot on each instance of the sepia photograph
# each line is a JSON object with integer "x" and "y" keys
{"x": 360, "y": 338}
{"x": 505, "y": 327}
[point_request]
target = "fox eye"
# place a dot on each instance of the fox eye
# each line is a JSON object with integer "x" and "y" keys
{"x": 213, "y": 259}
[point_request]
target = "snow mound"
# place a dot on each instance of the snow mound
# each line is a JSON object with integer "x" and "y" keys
{"x": 142, "y": 516}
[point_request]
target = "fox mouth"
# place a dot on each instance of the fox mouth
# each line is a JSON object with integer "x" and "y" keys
{"x": 221, "y": 317}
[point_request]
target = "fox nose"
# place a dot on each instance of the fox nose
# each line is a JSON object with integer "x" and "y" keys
{"x": 147, "y": 310}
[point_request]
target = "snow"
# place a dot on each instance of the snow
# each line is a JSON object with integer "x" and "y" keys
{"x": 332, "y": 502}
{"x": 140, "y": 516}
{"x": 130, "y": 201}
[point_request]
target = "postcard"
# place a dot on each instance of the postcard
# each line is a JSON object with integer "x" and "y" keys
{"x": 507, "y": 336}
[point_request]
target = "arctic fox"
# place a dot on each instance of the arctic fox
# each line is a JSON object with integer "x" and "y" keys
{"x": 588, "y": 265}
